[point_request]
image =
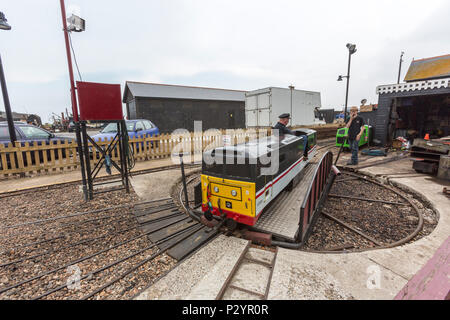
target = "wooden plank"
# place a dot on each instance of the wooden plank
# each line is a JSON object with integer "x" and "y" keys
{"x": 432, "y": 145}
{"x": 12, "y": 158}
{"x": 37, "y": 160}
{"x": 20, "y": 161}
{"x": 444, "y": 168}
{"x": 4, "y": 157}
{"x": 193, "y": 242}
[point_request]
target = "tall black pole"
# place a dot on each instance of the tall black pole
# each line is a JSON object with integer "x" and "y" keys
{"x": 348, "y": 83}
{"x": 400, "y": 67}
{"x": 9, "y": 117}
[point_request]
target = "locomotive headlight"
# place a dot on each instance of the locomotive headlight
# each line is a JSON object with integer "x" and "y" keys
{"x": 234, "y": 193}
{"x": 216, "y": 189}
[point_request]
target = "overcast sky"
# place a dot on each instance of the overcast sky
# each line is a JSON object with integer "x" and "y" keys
{"x": 243, "y": 45}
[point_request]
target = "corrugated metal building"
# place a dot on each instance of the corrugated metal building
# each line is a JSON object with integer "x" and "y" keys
{"x": 417, "y": 107}
{"x": 172, "y": 107}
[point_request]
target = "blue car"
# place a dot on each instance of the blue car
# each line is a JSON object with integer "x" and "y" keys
{"x": 136, "y": 129}
{"x": 31, "y": 134}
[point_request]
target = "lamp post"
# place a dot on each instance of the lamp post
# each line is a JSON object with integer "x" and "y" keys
{"x": 351, "y": 50}
{"x": 292, "y": 90}
{"x": 12, "y": 132}
{"x": 400, "y": 67}
{"x": 76, "y": 119}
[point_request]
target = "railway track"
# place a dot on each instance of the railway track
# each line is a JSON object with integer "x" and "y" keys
{"x": 134, "y": 239}
{"x": 151, "y": 230}
{"x": 100, "y": 180}
{"x": 359, "y": 225}
{"x": 242, "y": 277}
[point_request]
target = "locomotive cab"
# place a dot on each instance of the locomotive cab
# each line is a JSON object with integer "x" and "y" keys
{"x": 238, "y": 182}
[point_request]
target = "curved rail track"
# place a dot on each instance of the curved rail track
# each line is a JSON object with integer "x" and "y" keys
{"x": 163, "y": 227}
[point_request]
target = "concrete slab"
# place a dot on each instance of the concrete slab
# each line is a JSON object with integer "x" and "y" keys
{"x": 263, "y": 256}
{"x": 252, "y": 276}
{"x": 156, "y": 185}
{"x": 233, "y": 294}
{"x": 202, "y": 275}
{"x": 309, "y": 276}
{"x": 407, "y": 260}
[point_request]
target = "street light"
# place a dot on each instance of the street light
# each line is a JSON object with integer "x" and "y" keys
{"x": 3, "y": 22}
{"x": 291, "y": 87}
{"x": 400, "y": 67}
{"x": 78, "y": 25}
{"x": 351, "y": 50}
{"x": 12, "y": 132}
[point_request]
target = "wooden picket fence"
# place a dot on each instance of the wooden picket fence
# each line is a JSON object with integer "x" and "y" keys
{"x": 36, "y": 159}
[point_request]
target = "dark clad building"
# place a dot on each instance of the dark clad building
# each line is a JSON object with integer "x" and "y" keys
{"x": 172, "y": 107}
{"x": 417, "y": 107}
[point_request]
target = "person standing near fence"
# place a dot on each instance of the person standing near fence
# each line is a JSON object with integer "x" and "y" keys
{"x": 355, "y": 125}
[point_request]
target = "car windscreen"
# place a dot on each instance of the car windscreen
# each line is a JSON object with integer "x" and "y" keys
{"x": 33, "y": 132}
{"x": 112, "y": 127}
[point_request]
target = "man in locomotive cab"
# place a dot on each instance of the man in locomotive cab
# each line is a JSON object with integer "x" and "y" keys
{"x": 281, "y": 125}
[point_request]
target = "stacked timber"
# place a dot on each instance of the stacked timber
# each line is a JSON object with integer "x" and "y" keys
{"x": 431, "y": 155}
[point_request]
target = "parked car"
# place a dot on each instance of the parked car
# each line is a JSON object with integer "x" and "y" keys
{"x": 136, "y": 129}
{"x": 31, "y": 134}
{"x": 71, "y": 126}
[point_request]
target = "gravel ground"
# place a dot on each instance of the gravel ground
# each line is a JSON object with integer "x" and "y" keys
{"x": 67, "y": 232}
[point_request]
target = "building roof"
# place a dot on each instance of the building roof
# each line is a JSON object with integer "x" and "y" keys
{"x": 414, "y": 86}
{"x": 155, "y": 90}
{"x": 429, "y": 68}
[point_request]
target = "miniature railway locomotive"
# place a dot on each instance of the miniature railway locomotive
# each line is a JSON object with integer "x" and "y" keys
{"x": 237, "y": 185}
{"x": 365, "y": 138}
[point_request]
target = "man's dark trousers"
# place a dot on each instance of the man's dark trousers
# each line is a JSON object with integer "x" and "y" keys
{"x": 354, "y": 147}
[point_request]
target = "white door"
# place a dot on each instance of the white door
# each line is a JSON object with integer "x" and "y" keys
{"x": 251, "y": 118}
{"x": 264, "y": 117}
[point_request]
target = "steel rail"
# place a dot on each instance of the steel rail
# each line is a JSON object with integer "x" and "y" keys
{"x": 345, "y": 180}
{"x": 82, "y": 213}
{"x": 368, "y": 200}
{"x": 68, "y": 246}
{"x": 79, "y": 223}
{"x": 64, "y": 235}
{"x": 62, "y": 184}
{"x": 195, "y": 228}
{"x": 389, "y": 245}
{"x": 117, "y": 262}
{"x": 82, "y": 259}
{"x": 346, "y": 225}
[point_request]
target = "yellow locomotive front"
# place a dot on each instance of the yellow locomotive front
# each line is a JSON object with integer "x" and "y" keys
{"x": 233, "y": 198}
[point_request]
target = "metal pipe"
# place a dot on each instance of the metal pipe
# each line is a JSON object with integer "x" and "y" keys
{"x": 183, "y": 176}
{"x": 335, "y": 170}
{"x": 9, "y": 117}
